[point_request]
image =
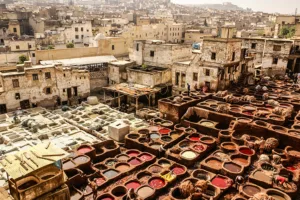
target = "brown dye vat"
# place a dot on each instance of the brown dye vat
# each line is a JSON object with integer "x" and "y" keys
{"x": 174, "y": 135}
{"x": 251, "y": 190}
{"x": 68, "y": 165}
{"x": 133, "y": 136}
{"x": 144, "y": 176}
{"x": 244, "y": 120}
{"x": 184, "y": 144}
{"x": 166, "y": 138}
{"x": 46, "y": 177}
{"x": 260, "y": 175}
{"x": 145, "y": 192}
{"x": 279, "y": 129}
{"x": 143, "y": 131}
{"x": 110, "y": 173}
{"x": 122, "y": 157}
{"x": 214, "y": 163}
{"x": 202, "y": 175}
{"x": 155, "y": 169}
{"x": 105, "y": 197}
{"x": 261, "y": 123}
{"x": 75, "y": 195}
{"x": 207, "y": 140}
{"x": 228, "y": 146}
{"x": 80, "y": 160}
{"x": 240, "y": 160}
{"x": 122, "y": 167}
{"x": 110, "y": 162}
{"x": 232, "y": 167}
{"x": 119, "y": 191}
{"x": 27, "y": 185}
{"x": 100, "y": 167}
{"x": 190, "y": 130}
{"x": 277, "y": 197}
{"x": 176, "y": 194}
{"x": 180, "y": 127}
{"x": 164, "y": 163}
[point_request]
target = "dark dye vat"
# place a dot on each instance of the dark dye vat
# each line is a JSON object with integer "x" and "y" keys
{"x": 178, "y": 195}
{"x": 47, "y": 177}
{"x": 100, "y": 167}
{"x": 81, "y": 159}
{"x": 166, "y": 138}
{"x": 232, "y": 167}
{"x": 110, "y": 173}
{"x": 27, "y": 185}
{"x": 251, "y": 190}
{"x": 119, "y": 191}
{"x": 194, "y": 118}
{"x": 110, "y": 146}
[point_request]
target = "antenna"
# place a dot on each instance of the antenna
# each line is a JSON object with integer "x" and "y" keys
{"x": 296, "y": 10}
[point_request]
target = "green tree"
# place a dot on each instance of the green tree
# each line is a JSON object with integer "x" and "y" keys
{"x": 70, "y": 45}
{"x": 288, "y": 31}
{"x": 205, "y": 22}
{"x": 22, "y": 59}
{"x": 50, "y": 47}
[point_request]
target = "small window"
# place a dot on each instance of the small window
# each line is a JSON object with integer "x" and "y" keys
{"x": 233, "y": 56}
{"x": 213, "y": 56}
{"x": 275, "y": 61}
{"x": 17, "y": 47}
{"x": 17, "y": 96}
{"x": 81, "y": 36}
{"x": 35, "y": 77}
{"x": 207, "y": 72}
{"x": 81, "y": 28}
{"x": 253, "y": 46}
{"x": 87, "y": 30}
{"x": 64, "y": 75}
{"x": 177, "y": 78}
{"x": 151, "y": 53}
{"x": 229, "y": 69}
{"x": 137, "y": 47}
{"x": 277, "y": 48}
{"x": 113, "y": 47}
{"x": 195, "y": 76}
{"x": 48, "y": 90}
{"x": 15, "y": 30}
{"x": 33, "y": 55}
{"x": 76, "y": 36}
{"x": 47, "y": 75}
{"x": 29, "y": 46}
{"x": 15, "y": 83}
{"x": 76, "y": 29}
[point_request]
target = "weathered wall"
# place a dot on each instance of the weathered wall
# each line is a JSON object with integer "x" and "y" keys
{"x": 149, "y": 78}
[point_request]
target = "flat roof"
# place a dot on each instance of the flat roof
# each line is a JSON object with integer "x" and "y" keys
{"x": 81, "y": 61}
{"x": 39, "y": 156}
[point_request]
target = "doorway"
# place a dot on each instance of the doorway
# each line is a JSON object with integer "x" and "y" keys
{"x": 25, "y": 104}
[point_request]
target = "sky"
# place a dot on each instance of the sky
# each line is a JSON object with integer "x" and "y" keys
{"x": 271, "y": 6}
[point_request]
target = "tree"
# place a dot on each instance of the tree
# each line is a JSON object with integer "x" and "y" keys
{"x": 288, "y": 31}
{"x": 50, "y": 47}
{"x": 205, "y": 22}
{"x": 70, "y": 45}
{"x": 22, "y": 59}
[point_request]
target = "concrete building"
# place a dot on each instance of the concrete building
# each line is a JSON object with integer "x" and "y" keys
{"x": 294, "y": 57}
{"x": 117, "y": 71}
{"x": 196, "y": 36}
{"x": 158, "y": 53}
{"x": 46, "y": 86}
{"x": 271, "y": 54}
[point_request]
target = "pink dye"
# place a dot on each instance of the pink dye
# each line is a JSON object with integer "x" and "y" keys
{"x": 145, "y": 157}
{"x": 157, "y": 183}
{"x": 84, "y": 150}
{"x": 134, "y": 162}
{"x": 198, "y": 147}
{"x": 178, "y": 170}
{"x": 133, "y": 184}
{"x": 99, "y": 181}
{"x": 133, "y": 153}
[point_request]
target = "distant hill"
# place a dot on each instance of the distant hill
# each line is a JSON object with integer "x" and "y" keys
{"x": 224, "y": 6}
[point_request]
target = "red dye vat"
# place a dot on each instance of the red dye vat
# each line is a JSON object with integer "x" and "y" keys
{"x": 84, "y": 150}
{"x": 99, "y": 181}
{"x": 199, "y": 147}
{"x": 219, "y": 182}
{"x": 248, "y": 113}
{"x": 246, "y": 151}
{"x": 157, "y": 183}
{"x": 107, "y": 198}
{"x": 164, "y": 131}
{"x": 135, "y": 162}
{"x": 195, "y": 138}
{"x": 133, "y": 153}
{"x": 133, "y": 184}
{"x": 145, "y": 157}
{"x": 291, "y": 168}
{"x": 178, "y": 170}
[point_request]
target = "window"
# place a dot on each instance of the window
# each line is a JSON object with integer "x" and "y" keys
{"x": 213, "y": 56}
{"x": 277, "y": 48}
{"x": 229, "y": 70}
{"x": 275, "y": 61}
{"x": 137, "y": 47}
{"x": 17, "y": 47}
{"x": 76, "y": 29}
{"x": 15, "y": 30}
{"x": 87, "y": 30}
{"x": 207, "y": 72}
{"x": 17, "y": 96}
{"x": 81, "y": 28}
{"x": 76, "y": 36}
{"x": 47, "y": 75}
{"x": 253, "y": 46}
{"x": 195, "y": 76}
{"x": 48, "y": 90}
{"x": 81, "y": 36}
{"x": 152, "y": 53}
{"x": 113, "y": 47}
{"x": 35, "y": 77}
{"x": 15, "y": 83}
{"x": 233, "y": 56}
{"x": 177, "y": 78}
{"x": 33, "y": 55}
{"x": 29, "y": 46}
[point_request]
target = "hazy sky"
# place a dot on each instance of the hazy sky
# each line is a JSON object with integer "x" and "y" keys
{"x": 281, "y": 6}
